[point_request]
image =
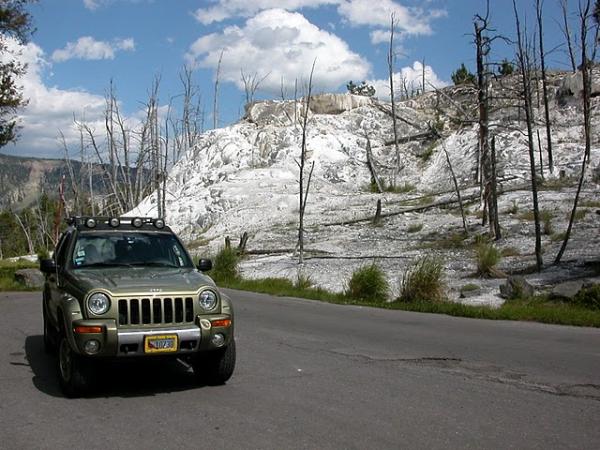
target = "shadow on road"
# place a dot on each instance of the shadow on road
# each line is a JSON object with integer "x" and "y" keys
{"x": 128, "y": 378}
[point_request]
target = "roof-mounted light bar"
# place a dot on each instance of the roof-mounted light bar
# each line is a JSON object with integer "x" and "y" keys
{"x": 116, "y": 222}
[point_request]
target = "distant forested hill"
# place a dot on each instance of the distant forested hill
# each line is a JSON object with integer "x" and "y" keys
{"x": 23, "y": 179}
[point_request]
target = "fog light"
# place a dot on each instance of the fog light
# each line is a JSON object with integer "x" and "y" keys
{"x": 218, "y": 340}
{"x": 91, "y": 347}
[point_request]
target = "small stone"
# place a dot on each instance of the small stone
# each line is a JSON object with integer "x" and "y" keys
{"x": 567, "y": 290}
{"x": 516, "y": 287}
{"x": 470, "y": 290}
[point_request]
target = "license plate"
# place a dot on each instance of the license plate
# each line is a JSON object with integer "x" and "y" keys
{"x": 160, "y": 343}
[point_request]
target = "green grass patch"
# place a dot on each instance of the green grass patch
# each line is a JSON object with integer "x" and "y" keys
{"x": 283, "y": 287}
{"x": 532, "y": 310}
{"x": 554, "y": 184}
{"x": 414, "y": 228}
{"x": 590, "y": 203}
{"x": 579, "y": 214}
{"x": 428, "y": 152}
{"x": 368, "y": 283}
{"x": 447, "y": 241}
{"x": 537, "y": 309}
{"x": 7, "y": 274}
{"x": 527, "y": 215}
{"x": 487, "y": 257}
{"x": 546, "y": 218}
{"x": 514, "y": 209}
{"x": 425, "y": 200}
{"x": 510, "y": 251}
{"x": 225, "y": 266}
{"x": 423, "y": 280}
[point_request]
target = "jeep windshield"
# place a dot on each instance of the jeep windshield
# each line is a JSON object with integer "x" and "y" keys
{"x": 114, "y": 249}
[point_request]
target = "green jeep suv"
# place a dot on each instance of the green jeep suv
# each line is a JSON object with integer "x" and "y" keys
{"x": 127, "y": 288}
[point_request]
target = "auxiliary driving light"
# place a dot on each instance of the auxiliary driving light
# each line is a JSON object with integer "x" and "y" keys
{"x": 91, "y": 347}
{"x": 90, "y": 223}
{"x": 114, "y": 222}
{"x": 218, "y": 340}
{"x": 159, "y": 223}
{"x": 137, "y": 222}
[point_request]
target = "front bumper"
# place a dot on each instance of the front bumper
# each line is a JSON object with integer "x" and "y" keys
{"x": 129, "y": 342}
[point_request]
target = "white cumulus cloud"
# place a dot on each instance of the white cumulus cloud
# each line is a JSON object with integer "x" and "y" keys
{"x": 92, "y": 5}
{"x": 410, "y": 20}
{"x": 226, "y": 9}
{"x": 373, "y": 13}
{"x": 282, "y": 45}
{"x": 88, "y": 48}
{"x": 410, "y": 77}
{"x": 50, "y": 109}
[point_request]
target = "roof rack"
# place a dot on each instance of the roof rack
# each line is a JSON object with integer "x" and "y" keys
{"x": 91, "y": 222}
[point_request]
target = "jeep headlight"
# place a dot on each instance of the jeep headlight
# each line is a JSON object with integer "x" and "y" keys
{"x": 208, "y": 300}
{"x": 98, "y": 303}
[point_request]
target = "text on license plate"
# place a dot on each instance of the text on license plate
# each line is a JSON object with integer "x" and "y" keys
{"x": 160, "y": 343}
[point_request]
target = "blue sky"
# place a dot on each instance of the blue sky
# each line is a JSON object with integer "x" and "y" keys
{"x": 80, "y": 45}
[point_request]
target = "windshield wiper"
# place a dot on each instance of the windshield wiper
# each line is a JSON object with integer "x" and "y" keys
{"x": 154, "y": 264}
{"x": 105, "y": 264}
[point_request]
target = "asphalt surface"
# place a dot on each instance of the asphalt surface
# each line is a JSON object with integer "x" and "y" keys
{"x": 319, "y": 376}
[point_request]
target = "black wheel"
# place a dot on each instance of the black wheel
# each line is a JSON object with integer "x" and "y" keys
{"x": 49, "y": 334}
{"x": 216, "y": 367}
{"x": 75, "y": 373}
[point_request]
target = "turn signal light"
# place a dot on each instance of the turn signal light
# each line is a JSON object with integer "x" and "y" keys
{"x": 221, "y": 323}
{"x": 87, "y": 330}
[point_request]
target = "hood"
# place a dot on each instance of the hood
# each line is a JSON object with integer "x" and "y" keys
{"x": 139, "y": 280}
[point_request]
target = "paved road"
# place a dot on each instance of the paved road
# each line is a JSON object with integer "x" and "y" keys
{"x": 320, "y": 376}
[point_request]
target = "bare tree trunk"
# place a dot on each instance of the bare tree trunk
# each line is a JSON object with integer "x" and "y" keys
{"x": 371, "y": 165}
{"x": 494, "y": 194}
{"x": 27, "y": 233}
{"x": 423, "y": 76}
{"x": 567, "y": 33}
{"x": 456, "y": 188}
{"x": 216, "y": 93}
{"x": 525, "y": 68}
{"x": 539, "y": 141}
{"x": 482, "y": 42}
{"x": 303, "y": 193}
{"x": 539, "y": 5}
{"x": 586, "y": 69}
{"x": 390, "y": 61}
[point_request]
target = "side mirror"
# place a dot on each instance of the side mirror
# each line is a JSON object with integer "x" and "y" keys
{"x": 204, "y": 265}
{"x": 47, "y": 266}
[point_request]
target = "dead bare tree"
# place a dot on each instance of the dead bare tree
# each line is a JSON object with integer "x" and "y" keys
{"x": 303, "y": 190}
{"x": 566, "y": 31}
{"x": 26, "y": 228}
{"x": 251, "y": 84}
{"x": 487, "y": 178}
{"x": 216, "y": 92}
{"x": 539, "y": 4}
{"x": 525, "y": 67}
{"x": 390, "y": 61}
{"x": 587, "y": 57}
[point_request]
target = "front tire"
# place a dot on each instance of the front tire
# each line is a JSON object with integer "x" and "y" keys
{"x": 216, "y": 367}
{"x": 74, "y": 372}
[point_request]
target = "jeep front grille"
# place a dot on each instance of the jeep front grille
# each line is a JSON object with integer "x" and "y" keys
{"x": 149, "y": 311}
